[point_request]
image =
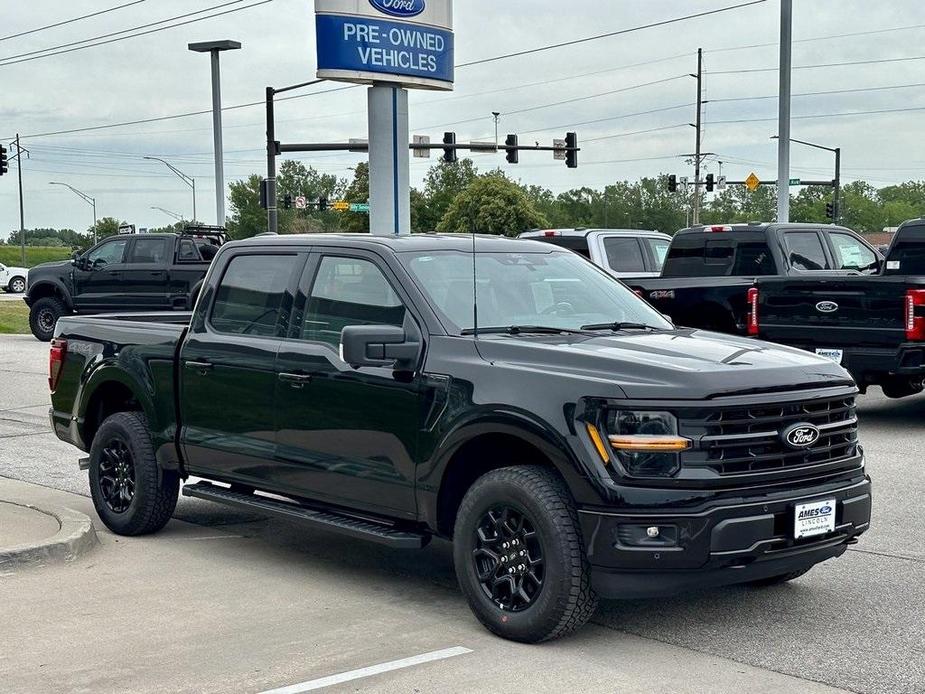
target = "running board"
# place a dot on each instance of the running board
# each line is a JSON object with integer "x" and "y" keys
{"x": 334, "y": 521}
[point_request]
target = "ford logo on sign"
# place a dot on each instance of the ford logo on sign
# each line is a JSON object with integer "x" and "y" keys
{"x": 801, "y": 435}
{"x": 827, "y": 307}
{"x": 399, "y": 8}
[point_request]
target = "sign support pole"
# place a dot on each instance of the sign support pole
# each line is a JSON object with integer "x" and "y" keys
{"x": 389, "y": 161}
{"x": 783, "y": 127}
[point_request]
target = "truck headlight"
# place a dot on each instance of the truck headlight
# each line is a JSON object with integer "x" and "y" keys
{"x": 646, "y": 443}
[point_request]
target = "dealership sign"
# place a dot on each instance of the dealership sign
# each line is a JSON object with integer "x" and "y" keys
{"x": 406, "y": 42}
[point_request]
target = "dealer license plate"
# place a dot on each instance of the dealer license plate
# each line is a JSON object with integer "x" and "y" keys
{"x": 815, "y": 518}
{"x": 835, "y": 355}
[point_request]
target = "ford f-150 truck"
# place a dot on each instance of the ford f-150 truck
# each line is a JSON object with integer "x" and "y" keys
{"x": 128, "y": 272}
{"x": 709, "y": 269}
{"x": 874, "y": 326}
{"x": 503, "y": 394}
{"x": 624, "y": 253}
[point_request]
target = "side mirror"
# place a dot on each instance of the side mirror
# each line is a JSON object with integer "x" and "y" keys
{"x": 378, "y": 345}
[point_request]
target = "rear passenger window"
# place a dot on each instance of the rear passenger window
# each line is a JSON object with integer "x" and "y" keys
{"x": 805, "y": 251}
{"x": 188, "y": 252}
{"x": 349, "y": 291}
{"x": 624, "y": 255}
{"x": 149, "y": 251}
{"x": 253, "y": 296}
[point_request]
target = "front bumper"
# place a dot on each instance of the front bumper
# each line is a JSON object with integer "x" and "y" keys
{"x": 724, "y": 544}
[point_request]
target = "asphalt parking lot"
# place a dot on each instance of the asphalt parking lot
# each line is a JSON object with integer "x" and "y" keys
{"x": 226, "y": 601}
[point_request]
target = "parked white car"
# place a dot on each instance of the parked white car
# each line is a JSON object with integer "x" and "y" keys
{"x": 13, "y": 279}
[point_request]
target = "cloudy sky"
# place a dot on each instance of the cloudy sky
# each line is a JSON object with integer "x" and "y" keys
{"x": 616, "y": 88}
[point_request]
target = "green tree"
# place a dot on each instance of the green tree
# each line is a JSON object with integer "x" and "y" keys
{"x": 247, "y": 217}
{"x": 357, "y": 191}
{"x": 298, "y": 180}
{"x": 492, "y": 204}
{"x": 739, "y": 204}
{"x": 809, "y": 205}
{"x": 107, "y": 226}
{"x": 443, "y": 182}
{"x": 861, "y": 208}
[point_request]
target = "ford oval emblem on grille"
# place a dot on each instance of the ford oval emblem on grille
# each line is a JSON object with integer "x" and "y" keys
{"x": 827, "y": 307}
{"x": 399, "y": 8}
{"x": 800, "y": 435}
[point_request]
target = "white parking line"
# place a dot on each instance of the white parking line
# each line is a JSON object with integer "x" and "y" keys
{"x": 331, "y": 680}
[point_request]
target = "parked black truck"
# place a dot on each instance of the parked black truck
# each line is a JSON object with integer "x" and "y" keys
{"x": 709, "y": 269}
{"x": 566, "y": 438}
{"x": 873, "y": 325}
{"x": 127, "y": 272}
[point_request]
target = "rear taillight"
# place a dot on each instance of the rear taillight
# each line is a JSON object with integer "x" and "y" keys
{"x": 56, "y": 362}
{"x": 915, "y": 324}
{"x": 718, "y": 228}
{"x": 547, "y": 234}
{"x": 753, "y": 311}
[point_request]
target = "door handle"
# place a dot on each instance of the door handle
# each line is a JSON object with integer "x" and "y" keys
{"x": 203, "y": 367}
{"x": 297, "y": 381}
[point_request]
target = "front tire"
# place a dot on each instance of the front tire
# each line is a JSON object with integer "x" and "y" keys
{"x": 43, "y": 316}
{"x": 519, "y": 555}
{"x": 17, "y": 285}
{"x": 132, "y": 495}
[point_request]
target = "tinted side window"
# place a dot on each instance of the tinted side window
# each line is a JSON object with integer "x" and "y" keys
{"x": 110, "y": 253}
{"x": 253, "y": 297}
{"x": 851, "y": 254}
{"x": 149, "y": 251}
{"x": 804, "y": 248}
{"x": 349, "y": 291}
{"x": 624, "y": 255}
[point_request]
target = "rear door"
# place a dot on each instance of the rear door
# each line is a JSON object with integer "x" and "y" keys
{"x": 144, "y": 276}
{"x": 624, "y": 256}
{"x": 228, "y": 367}
{"x": 347, "y": 436}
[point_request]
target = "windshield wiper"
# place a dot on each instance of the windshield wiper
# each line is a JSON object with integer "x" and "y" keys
{"x": 619, "y": 325}
{"x": 521, "y": 329}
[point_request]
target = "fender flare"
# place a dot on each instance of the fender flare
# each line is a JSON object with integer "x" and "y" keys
{"x": 58, "y": 289}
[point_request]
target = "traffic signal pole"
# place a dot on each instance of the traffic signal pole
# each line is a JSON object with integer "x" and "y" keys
{"x": 272, "y": 210}
{"x": 22, "y": 214}
{"x": 699, "y": 77}
{"x": 783, "y": 116}
{"x": 837, "y": 209}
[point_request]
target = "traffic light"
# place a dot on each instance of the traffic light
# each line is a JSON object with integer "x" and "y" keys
{"x": 571, "y": 150}
{"x": 449, "y": 153}
{"x": 711, "y": 181}
{"x": 830, "y": 211}
{"x": 264, "y": 195}
{"x": 287, "y": 202}
{"x": 4, "y": 164}
{"x": 510, "y": 146}
{"x": 322, "y": 204}
{"x": 672, "y": 184}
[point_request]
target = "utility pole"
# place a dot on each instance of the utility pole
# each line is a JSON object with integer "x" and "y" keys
{"x": 783, "y": 116}
{"x": 836, "y": 208}
{"x": 697, "y": 127}
{"x": 22, "y": 214}
{"x": 496, "y": 115}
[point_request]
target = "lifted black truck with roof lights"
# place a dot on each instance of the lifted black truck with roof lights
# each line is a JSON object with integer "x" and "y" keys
{"x": 568, "y": 439}
{"x": 710, "y": 270}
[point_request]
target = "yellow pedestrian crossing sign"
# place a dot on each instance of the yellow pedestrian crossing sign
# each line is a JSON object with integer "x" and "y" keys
{"x": 752, "y": 182}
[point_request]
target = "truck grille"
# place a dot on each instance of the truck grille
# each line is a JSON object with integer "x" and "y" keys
{"x": 747, "y": 440}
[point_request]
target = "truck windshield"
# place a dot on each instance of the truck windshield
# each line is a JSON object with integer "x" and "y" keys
{"x": 555, "y": 290}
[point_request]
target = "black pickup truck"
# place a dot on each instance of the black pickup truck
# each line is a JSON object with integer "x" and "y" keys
{"x": 709, "y": 270}
{"x": 564, "y": 436}
{"x": 873, "y": 326}
{"x": 128, "y": 272}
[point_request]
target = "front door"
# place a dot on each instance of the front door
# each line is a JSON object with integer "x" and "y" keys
{"x": 227, "y": 368}
{"x": 98, "y": 276}
{"x": 344, "y": 435}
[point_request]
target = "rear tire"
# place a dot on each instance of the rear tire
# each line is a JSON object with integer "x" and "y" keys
{"x": 17, "y": 285}
{"x": 777, "y": 580}
{"x": 43, "y": 316}
{"x": 520, "y": 557}
{"x": 132, "y": 495}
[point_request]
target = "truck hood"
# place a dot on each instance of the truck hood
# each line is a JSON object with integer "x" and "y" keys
{"x": 680, "y": 364}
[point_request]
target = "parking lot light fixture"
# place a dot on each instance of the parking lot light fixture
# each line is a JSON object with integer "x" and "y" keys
{"x": 86, "y": 198}
{"x": 188, "y": 180}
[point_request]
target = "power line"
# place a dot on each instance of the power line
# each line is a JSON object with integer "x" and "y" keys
{"x": 10, "y": 60}
{"x": 823, "y": 93}
{"x": 610, "y": 34}
{"x": 820, "y": 38}
{"x": 635, "y": 132}
{"x": 70, "y": 21}
{"x": 818, "y": 65}
{"x": 822, "y": 115}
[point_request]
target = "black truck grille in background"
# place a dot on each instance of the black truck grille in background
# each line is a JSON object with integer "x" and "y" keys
{"x": 747, "y": 440}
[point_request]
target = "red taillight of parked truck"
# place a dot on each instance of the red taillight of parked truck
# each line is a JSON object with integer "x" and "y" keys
{"x": 753, "y": 311}
{"x": 56, "y": 362}
{"x": 915, "y": 320}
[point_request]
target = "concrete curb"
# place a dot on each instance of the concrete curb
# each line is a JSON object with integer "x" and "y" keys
{"x": 75, "y": 536}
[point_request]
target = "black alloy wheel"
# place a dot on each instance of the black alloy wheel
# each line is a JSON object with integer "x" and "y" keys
{"x": 508, "y": 558}
{"x": 46, "y": 320}
{"x": 117, "y": 476}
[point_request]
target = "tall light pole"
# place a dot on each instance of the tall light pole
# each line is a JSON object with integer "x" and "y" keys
{"x": 783, "y": 115}
{"x": 215, "y": 48}
{"x": 836, "y": 182}
{"x": 188, "y": 180}
{"x": 496, "y": 115}
{"x": 178, "y": 217}
{"x": 86, "y": 198}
